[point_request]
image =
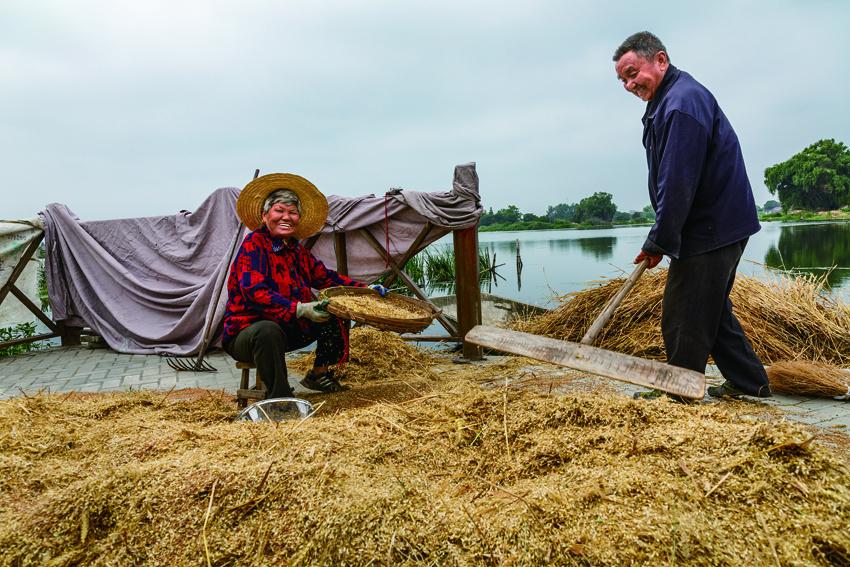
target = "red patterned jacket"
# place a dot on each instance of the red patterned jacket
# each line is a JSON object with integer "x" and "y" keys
{"x": 269, "y": 277}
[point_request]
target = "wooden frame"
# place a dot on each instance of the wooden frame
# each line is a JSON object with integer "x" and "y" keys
{"x": 466, "y": 281}
{"x": 56, "y": 330}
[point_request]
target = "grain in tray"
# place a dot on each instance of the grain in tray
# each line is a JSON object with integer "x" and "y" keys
{"x": 377, "y": 307}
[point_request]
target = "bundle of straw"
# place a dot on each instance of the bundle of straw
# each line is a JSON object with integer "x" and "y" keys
{"x": 807, "y": 378}
{"x": 785, "y": 318}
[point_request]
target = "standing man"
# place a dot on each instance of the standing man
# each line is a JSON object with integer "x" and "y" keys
{"x": 705, "y": 212}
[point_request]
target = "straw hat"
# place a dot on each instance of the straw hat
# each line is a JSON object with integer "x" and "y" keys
{"x": 314, "y": 206}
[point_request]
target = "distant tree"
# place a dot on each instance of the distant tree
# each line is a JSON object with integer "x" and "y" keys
{"x": 770, "y": 204}
{"x": 511, "y": 213}
{"x": 637, "y": 215}
{"x": 507, "y": 215}
{"x": 562, "y": 212}
{"x": 487, "y": 218}
{"x": 817, "y": 178}
{"x": 622, "y": 216}
{"x": 649, "y": 213}
{"x": 598, "y": 207}
{"x": 531, "y": 217}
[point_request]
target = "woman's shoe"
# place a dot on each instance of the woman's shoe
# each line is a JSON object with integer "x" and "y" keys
{"x": 325, "y": 383}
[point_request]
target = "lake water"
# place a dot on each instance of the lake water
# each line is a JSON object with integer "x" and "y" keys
{"x": 556, "y": 262}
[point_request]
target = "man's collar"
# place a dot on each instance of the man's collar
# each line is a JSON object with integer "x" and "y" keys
{"x": 669, "y": 78}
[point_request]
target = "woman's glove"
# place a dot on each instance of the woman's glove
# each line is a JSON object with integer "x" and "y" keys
{"x": 380, "y": 289}
{"x": 314, "y": 311}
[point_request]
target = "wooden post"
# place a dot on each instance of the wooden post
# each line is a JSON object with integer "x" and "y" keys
{"x": 518, "y": 267}
{"x": 466, "y": 287}
{"x": 70, "y": 335}
{"x": 341, "y": 253}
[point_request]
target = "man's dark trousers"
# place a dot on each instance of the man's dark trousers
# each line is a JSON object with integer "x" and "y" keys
{"x": 697, "y": 319}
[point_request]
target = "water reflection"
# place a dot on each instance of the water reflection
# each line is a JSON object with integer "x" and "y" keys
{"x": 598, "y": 248}
{"x": 813, "y": 249}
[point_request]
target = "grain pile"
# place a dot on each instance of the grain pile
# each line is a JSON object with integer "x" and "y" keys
{"x": 376, "y": 306}
{"x": 462, "y": 475}
{"x": 376, "y": 355}
{"x": 785, "y": 319}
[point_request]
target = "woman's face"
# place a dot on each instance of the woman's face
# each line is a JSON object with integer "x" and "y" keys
{"x": 282, "y": 220}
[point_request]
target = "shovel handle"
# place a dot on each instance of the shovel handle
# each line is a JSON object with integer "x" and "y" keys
{"x": 613, "y": 303}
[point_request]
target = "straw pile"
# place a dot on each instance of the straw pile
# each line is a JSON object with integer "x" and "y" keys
{"x": 463, "y": 475}
{"x": 785, "y": 319}
{"x": 376, "y": 355}
{"x": 806, "y": 378}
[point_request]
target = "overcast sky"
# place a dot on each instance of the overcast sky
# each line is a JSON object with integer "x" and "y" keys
{"x": 127, "y": 109}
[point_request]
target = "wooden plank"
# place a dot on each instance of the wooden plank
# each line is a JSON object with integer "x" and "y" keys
{"x": 430, "y": 338}
{"x": 467, "y": 288}
{"x": 19, "y": 267}
{"x": 251, "y": 394}
{"x": 623, "y": 367}
{"x": 34, "y": 309}
{"x": 25, "y": 340}
{"x": 613, "y": 303}
{"x": 310, "y": 242}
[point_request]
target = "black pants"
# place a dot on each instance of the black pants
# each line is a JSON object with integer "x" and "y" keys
{"x": 697, "y": 319}
{"x": 265, "y": 343}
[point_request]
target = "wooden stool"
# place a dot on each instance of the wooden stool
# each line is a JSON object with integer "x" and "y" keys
{"x": 244, "y": 393}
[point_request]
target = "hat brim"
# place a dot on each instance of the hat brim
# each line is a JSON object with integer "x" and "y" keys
{"x": 314, "y": 205}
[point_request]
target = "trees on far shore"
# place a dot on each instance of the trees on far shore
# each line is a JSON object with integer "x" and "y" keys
{"x": 597, "y": 209}
{"x": 817, "y": 178}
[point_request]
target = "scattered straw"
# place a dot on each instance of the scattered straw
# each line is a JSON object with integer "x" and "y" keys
{"x": 589, "y": 479}
{"x": 806, "y": 378}
{"x": 785, "y": 319}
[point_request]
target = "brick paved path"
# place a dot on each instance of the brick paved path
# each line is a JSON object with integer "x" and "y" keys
{"x": 84, "y": 369}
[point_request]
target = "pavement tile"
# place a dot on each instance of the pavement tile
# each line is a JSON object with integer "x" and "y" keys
{"x": 84, "y": 369}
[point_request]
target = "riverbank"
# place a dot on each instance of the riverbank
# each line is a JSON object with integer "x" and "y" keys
{"x": 792, "y": 216}
{"x": 808, "y": 216}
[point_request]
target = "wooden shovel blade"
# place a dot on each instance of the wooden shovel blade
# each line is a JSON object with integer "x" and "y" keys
{"x": 623, "y": 367}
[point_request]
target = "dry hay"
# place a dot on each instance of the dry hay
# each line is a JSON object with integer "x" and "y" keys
{"x": 806, "y": 378}
{"x": 785, "y": 319}
{"x": 462, "y": 475}
{"x": 376, "y": 355}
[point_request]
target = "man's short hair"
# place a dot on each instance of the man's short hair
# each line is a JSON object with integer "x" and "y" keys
{"x": 643, "y": 43}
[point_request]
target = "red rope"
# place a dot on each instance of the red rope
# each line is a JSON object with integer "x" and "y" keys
{"x": 387, "y": 229}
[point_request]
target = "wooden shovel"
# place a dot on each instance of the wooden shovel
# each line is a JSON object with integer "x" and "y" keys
{"x": 587, "y": 358}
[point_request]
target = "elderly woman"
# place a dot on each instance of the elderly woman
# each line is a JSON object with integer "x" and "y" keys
{"x": 270, "y": 304}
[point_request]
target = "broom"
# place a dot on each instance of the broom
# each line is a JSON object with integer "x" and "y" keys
{"x": 808, "y": 378}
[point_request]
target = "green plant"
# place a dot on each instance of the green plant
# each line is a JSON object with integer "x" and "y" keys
{"x": 19, "y": 331}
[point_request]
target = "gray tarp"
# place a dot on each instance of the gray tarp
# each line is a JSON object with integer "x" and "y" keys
{"x": 147, "y": 285}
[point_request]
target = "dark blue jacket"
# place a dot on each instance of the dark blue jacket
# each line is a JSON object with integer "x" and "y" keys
{"x": 698, "y": 183}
